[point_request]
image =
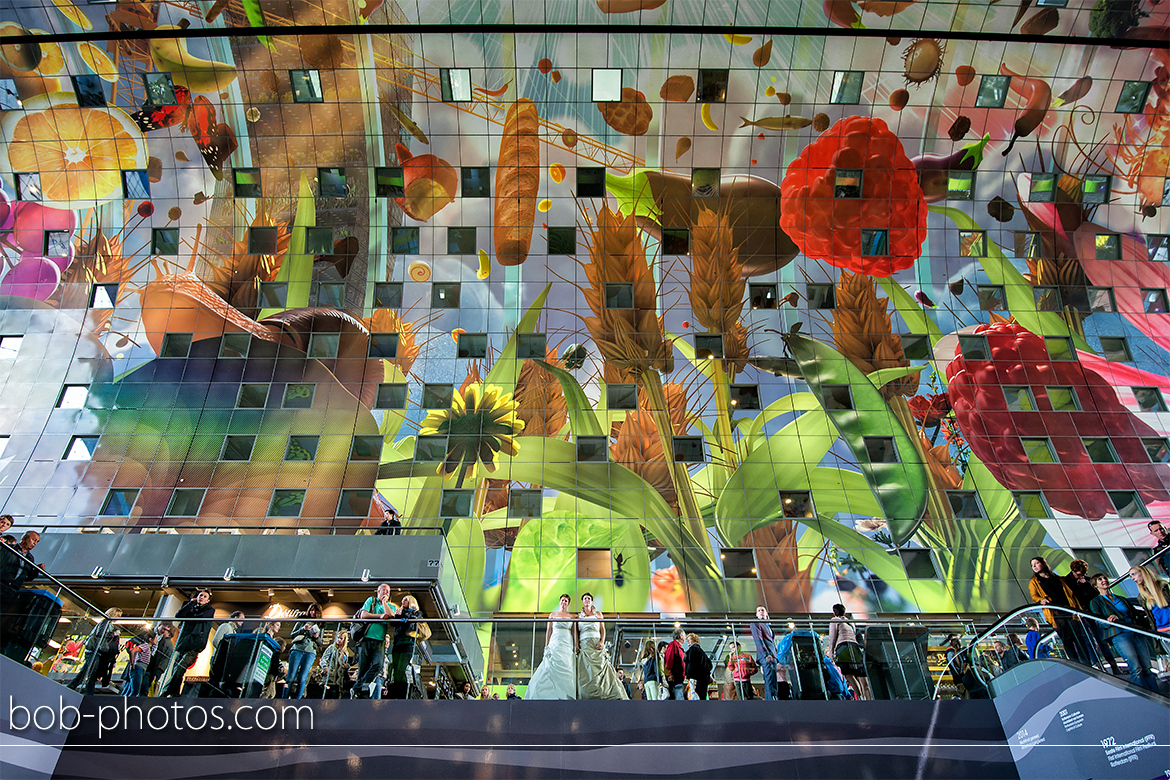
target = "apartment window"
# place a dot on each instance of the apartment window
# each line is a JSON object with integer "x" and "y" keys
{"x": 738, "y": 564}
{"x": 437, "y": 396}
{"x": 591, "y": 182}
{"x": 1127, "y": 503}
{"x": 1043, "y": 189}
{"x": 73, "y": 397}
{"x": 461, "y": 241}
{"x": 246, "y": 183}
{"x": 1154, "y": 301}
{"x": 103, "y": 296}
{"x": 185, "y": 502}
{"x": 1038, "y": 450}
{"x": 1047, "y": 298}
{"x": 476, "y": 182}
{"x": 531, "y": 346}
{"x": 594, "y": 563}
{"x": 118, "y": 503}
{"x": 621, "y": 396}
{"x": 136, "y": 184}
{"x": 81, "y": 448}
{"x": 455, "y": 85}
{"x": 404, "y": 240}
{"x": 298, "y": 396}
{"x": 972, "y": 243}
{"x": 763, "y": 296}
{"x": 238, "y": 447}
{"x": 676, "y": 241}
{"x": 836, "y": 398}
{"x": 916, "y": 347}
{"x": 607, "y": 85}
{"x": 274, "y": 295}
{"x": 324, "y": 346}
{"x": 708, "y": 345}
{"x": 821, "y": 296}
{"x": 471, "y": 345}
{"x": 592, "y": 449}
{"x": 56, "y": 243}
{"x": 1100, "y": 450}
{"x": 319, "y": 240}
{"x": 160, "y": 89}
{"x": 164, "y": 241}
{"x": 1149, "y": 399}
{"x": 965, "y": 504}
{"x": 391, "y": 395}
{"x": 388, "y": 295}
{"x": 89, "y": 90}
{"x": 1132, "y": 99}
{"x": 456, "y": 503}
{"x": 705, "y": 182}
{"x": 847, "y": 87}
{"x": 1101, "y": 299}
{"x": 262, "y": 240}
{"x": 252, "y": 395}
{"x": 389, "y": 182}
{"x": 712, "y": 86}
{"x": 235, "y": 345}
{"x": 745, "y": 397}
{"x": 331, "y": 182}
{"x": 619, "y": 295}
{"x": 1032, "y": 505}
{"x": 919, "y": 564}
{"x": 366, "y": 448}
{"x": 1116, "y": 349}
{"x": 974, "y": 348}
{"x": 445, "y": 295}
{"x": 430, "y": 449}
{"x": 1158, "y": 246}
{"x": 286, "y": 503}
{"x": 1019, "y": 398}
{"x": 1063, "y": 399}
{"x": 9, "y": 98}
{"x": 1095, "y": 189}
{"x": 331, "y": 295}
{"x": 992, "y": 91}
{"x": 525, "y": 504}
{"x": 1108, "y": 246}
{"x": 562, "y": 240}
{"x": 881, "y": 449}
{"x": 306, "y": 86}
{"x": 847, "y": 183}
{"x": 1157, "y": 450}
{"x": 1060, "y": 348}
{"x": 875, "y": 242}
{"x": 176, "y": 345}
{"x": 961, "y": 185}
{"x": 355, "y": 503}
{"x": 383, "y": 345}
{"x": 796, "y": 503}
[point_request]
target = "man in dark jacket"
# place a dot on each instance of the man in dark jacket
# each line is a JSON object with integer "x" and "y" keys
{"x": 676, "y": 670}
{"x": 192, "y": 638}
{"x": 1161, "y": 545}
{"x": 765, "y": 642}
{"x": 15, "y": 570}
{"x": 699, "y": 666}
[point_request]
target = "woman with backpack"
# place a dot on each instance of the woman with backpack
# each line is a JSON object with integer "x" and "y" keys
{"x": 306, "y": 641}
{"x": 101, "y": 650}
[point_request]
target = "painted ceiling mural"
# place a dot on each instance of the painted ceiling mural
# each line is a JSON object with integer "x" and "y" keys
{"x": 686, "y": 319}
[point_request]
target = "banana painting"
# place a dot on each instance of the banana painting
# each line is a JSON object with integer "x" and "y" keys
{"x": 187, "y": 70}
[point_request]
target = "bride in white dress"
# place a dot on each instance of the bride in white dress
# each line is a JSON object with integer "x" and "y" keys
{"x": 556, "y": 677}
{"x": 596, "y": 677}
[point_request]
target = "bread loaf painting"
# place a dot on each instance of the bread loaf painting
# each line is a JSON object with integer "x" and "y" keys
{"x": 517, "y": 181}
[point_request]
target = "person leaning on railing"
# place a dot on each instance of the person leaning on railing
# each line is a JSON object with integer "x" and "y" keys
{"x": 1155, "y": 595}
{"x": 1132, "y": 647}
{"x": 1046, "y": 588}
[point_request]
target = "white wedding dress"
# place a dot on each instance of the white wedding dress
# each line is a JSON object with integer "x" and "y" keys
{"x": 555, "y": 677}
{"x": 596, "y": 677}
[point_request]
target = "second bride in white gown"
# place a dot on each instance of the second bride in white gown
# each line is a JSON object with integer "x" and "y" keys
{"x": 596, "y": 677}
{"x": 556, "y": 676}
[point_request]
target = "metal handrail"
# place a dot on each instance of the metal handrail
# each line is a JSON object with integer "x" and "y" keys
{"x": 202, "y": 530}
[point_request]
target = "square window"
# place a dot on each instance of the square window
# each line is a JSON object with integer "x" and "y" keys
{"x": 1115, "y": 349}
{"x": 185, "y": 502}
{"x": 972, "y": 243}
{"x": 821, "y": 296}
{"x": 1157, "y": 450}
{"x": 28, "y": 187}
{"x": 705, "y": 182}
{"x": 607, "y": 85}
{"x": 919, "y": 564}
{"x": 286, "y": 503}
{"x": 73, "y": 397}
{"x": 738, "y": 564}
{"x": 355, "y": 503}
{"x": 384, "y": 345}
{"x": 301, "y": 448}
{"x": 594, "y": 563}
{"x": 1060, "y": 348}
{"x": 836, "y": 398}
{"x": 525, "y": 504}
{"x": 323, "y": 346}
{"x": 388, "y": 295}
{"x": 176, "y": 345}
{"x": 476, "y": 182}
{"x": 160, "y": 89}
{"x": 456, "y": 503}
{"x": 437, "y": 396}
{"x": 992, "y": 91}
{"x": 445, "y": 295}
{"x": 298, "y": 396}
{"x": 331, "y": 182}
{"x": 391, "y": 395}
{"x": 712, "y": 85}
{"x": 592, "y": 449}
{"x": 1127, "y": 503}
{"x": 118, "y": 503}
{"x": 430, "y": 449}
{"x": 404, "y": 240}
{"x": 164, "y": 241}
{"x": 847, "y": 87}
{"x": 965, "y": 504}
{"x": 1158, "y": 247}
{"x": 745, "y": 397}
{"x": 306, "y": 86}
{"x": 619, "y": 295}
{"x": 1032, "y": 505}
{"x": 1100, "y": 450}
{"x": 103, "y": 296}
{"x": 763, "y": 296}
{"x": 455, "y": 85}
{"x": 974, "y": 348}
{"x": 274, "y": 295}
{"x": 531, "y": 346}
{"x": 1108, "y": 246}
{"x": 1027, "y": 243}
{"x": 246, "y": 183}
{"x": 688, "y": 449}
{"x": 89, "y": 90}
{"x": 1154, "y": 301}
{"x": 389, "y": 182}
{"x": 796, "y": 503}
{"x": 319, "y": 240}
{"x": 875, "y": 242}
{"x": 1149, "y": 399}
{"x": 881, "y": 449}
{"x": 1132, "y": 99}
{"x": 1019, "y": 398}
{"x": 961, "y": 185}
{"x": 366, "y": 448}
{"x": 676, "y": 241}
{"x": 238, "y": 447}
{"x": 1095, "y": 189}
{"x": 708, "y": 345}
{"x": 136, "y": 184}
{"x": 262, "y": 240}
{"x": 562, "y": 240}
{"x": 1101, "y": 299}
{"x": 1043, "y": 189}
{"x": 916, "y": 347}
{"x": 9, "y": 97}
{"x": 81, "y": 448}
{"x": 461, "y": 241}
{"x": 235, "y": 345}
{"x": 591, "y": 182}
{"x": 331, "y": 295}
{"x": 847, "y": 183}
{"x": 1063, "y": 399}
{"x": 252, "y": 396}
{"x": 471, "y": 345}
{"x": 1047, "y": 298}
{"x": 1038, "y": 451}
{"x": 621, "y": 396}
{"x": 56, "y": 243}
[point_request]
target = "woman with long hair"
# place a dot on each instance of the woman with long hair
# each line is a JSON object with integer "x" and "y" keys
{"x": 1132, "y": 647}
{"x": 847, "y": 652}
{"x": 556, "y": 675}
{"x": 1048, "y": 589}
{"x": 646, "y": 671}
{"x": 335, "y": 665}
{"x": 1155, "y": 594}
